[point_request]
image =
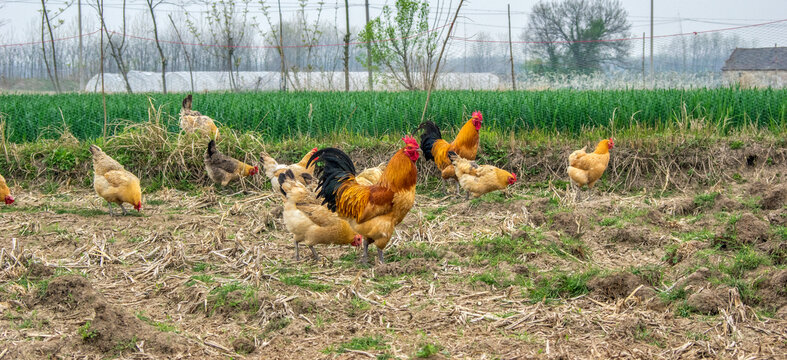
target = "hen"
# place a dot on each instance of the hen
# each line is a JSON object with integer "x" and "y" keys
{"x": 5, "y": 192}
{"x": 370, "y": 176}
{"x": 371, "y": 210}
{"x": 222, "y": 169}
{"x": 308, "y": 221}
{"x": 113, "y": 183}
{"x": 480, "y": 179}
{"x": 192, "y": 120}
{"x": 273, "y": 169}
{"x": 586, "y": 169}
{"x": 465, "y": 144}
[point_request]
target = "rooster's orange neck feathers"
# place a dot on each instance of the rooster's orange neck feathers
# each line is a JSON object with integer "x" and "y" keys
{"x": 400, "y": 174}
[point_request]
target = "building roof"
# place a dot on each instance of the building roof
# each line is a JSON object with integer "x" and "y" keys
{"x": 770, "y": 58}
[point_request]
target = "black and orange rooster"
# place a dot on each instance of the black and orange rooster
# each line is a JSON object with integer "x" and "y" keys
{"x": 371, "y": 210}
{"x": 465, "y": 145}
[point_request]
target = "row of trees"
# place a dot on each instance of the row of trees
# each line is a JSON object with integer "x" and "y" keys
{"x": 564, "y": 38}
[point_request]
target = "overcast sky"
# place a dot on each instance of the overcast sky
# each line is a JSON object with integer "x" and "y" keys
{"x": 671, "y": 16}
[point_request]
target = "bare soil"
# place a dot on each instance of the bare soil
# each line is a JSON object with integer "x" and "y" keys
{"x": 526, "y": 274}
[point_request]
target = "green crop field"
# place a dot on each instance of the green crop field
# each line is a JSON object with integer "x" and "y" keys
{"x": 277, "y": 115}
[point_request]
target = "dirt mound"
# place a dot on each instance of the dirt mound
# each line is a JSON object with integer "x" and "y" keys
{"x": 684, "y": 251}
{"x": 696, "y": 280}
{"x": 679, "y": 206}
{"x": 38, "y": 270}
{"x": 567, "y": 223}
{"x": 707, "y": 301}
{"x": 616, "y": 286}
{"x": 113, "y": 330}
{"x": 774, "y": 197}
{"x": 69, "y": 292}
{"x": 778, "y": 217}
{"x": 414, "y": 266}
{"x": 656, "y": 217}
{"x": 777, "y": 250}
{"x": 751, "y": 230}
{"x": 724, "y": 203}
{"x": 773, "y": 291}
{"x": 628, "y": 235}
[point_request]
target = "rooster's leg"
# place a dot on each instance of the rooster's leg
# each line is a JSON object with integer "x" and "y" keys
{"x": 314, "y": 253}
{"x": 297, "y": 253}
{"x": 457, "y": 187}
{"x": 380, "y": 255}
{"x": 124, "y": 209}
{"x": 109, "y": 205}
{"x": 365, "y": 258}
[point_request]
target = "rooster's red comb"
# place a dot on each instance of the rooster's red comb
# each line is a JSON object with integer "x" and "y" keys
{"x": 409, "y": 140}
{"x": 477, "y": 115}
{"x": 314, "y": 150}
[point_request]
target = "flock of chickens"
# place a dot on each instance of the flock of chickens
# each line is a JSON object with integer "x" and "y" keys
{"x": 346, "y": 207}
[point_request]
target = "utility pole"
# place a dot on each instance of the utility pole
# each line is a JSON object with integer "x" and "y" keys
{"x": 347, "y": 47}
{"x": 511, "y": 50}
{"x": 281, "y": 51}
{"x": 643, "y": 59}
{"x": 369, "y": 51}
{"x": 81, "y": 62}
{"x": 652, "y": 73}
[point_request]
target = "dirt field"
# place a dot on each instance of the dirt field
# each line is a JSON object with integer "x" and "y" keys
{"x": 529, "y": 274}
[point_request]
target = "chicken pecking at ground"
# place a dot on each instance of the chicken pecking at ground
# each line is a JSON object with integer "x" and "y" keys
{"x": 586, "y": 169}
{"x": 477, "y": 179}
{"x": 192, "y": 120}
{"x": 303, "y": 174}
{"x": 113, "y": 183}
{"x": 465, "y": 144}
{"x": 222, "y": 169}
{"x": 5, "y": 192}
{"x": 371, "y": 210}
{"x": 309, "y": 222}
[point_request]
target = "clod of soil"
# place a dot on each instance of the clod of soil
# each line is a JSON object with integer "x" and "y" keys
{"x": 629, "y": 326}
{"x": 707, "y": 301}
{"x": 414, "y": 266}
{"x": 520, "y": 235}
{"x": 70, "y": 292}
{"x": 567, "y": 223}
{"x": 243, "y": 346}
{"x": 751, "y": 230}
{"x": 774, "y": 198}
{"x": 777, "y": 250}
{"x": 616, "y": 286}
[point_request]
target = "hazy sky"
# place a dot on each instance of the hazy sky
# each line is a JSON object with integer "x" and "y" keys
{"x": 487, "y": 15}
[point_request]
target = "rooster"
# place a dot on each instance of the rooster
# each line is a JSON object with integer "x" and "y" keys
{"x": 586, "y": 169}
{"x": 480, "y": 179}
{"x": 371, "y": 210}
{"x": 113, "y": 183}
{"x": 192, "y": 120}
{"x": 273, "y": 169}
{"x": 308, "y": 221}
{"x": 222, "y": 169}
{"x": 465, "y": 145}
{"x": 5, "y": 192}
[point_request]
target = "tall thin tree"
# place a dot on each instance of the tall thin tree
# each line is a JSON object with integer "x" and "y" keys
{"x": 151, "y": 6}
